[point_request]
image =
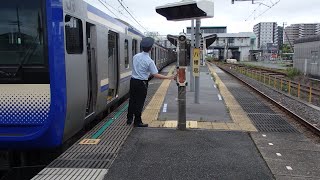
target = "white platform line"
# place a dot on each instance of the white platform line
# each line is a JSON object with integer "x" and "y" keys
{"x": 289, "y": 168}
{"x": 165, "y": 107}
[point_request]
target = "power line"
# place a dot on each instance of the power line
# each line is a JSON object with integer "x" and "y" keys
{"x": 267, "y": 9}
{"x": 131, "y": 15}
{"x": 253, "y": 12}
{"x": 128, "y": 9}
{"x": 105, "y": 3}
{"x": 267, "y": 5}
{"x": 108, "y": 8}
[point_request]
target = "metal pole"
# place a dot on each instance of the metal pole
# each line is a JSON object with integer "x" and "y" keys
{"x": 182, "y": 108}
{"x": 197, "y": 83}
{"x": 203, "y": 49}
{"x": 182, "y": 88}
{"x": 191, "y": 55}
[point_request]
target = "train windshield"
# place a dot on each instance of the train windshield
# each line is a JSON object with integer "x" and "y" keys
{"x": 21, "y": 33}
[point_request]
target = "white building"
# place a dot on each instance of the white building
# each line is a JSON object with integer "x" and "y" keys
{"x": 266, "y": 32}
{"x": 238, "y": 44}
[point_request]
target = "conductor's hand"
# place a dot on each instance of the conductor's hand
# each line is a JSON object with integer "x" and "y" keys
{"x": 173, "y": 77}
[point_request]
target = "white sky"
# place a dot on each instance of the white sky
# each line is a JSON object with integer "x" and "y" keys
{"x": 226, "y": 14}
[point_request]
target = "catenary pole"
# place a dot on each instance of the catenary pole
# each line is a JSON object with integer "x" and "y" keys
{"x": 191, "y": 55}
{"x": 197, "y": 78}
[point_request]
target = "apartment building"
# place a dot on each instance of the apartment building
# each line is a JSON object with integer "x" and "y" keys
{"x": 296, "y": 31}
{"x": 266, "y": 32}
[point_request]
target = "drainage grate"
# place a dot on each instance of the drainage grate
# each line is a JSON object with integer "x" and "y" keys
{"x": 92, "y": 155}
{"x": 262, "y": 116}
{"x": 62, "y": 173}
{"x": 71, "y": 163}
{"x": 271, "y": 123}
{"x": 99, "y": 149}
{"x": 225, "y": 78}
{"x": 249, "y": 108}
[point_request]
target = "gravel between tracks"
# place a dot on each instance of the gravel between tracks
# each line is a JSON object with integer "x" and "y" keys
{"x": 309, "y": 113}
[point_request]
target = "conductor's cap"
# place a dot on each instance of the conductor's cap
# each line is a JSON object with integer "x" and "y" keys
{"x": 147, "y": 42}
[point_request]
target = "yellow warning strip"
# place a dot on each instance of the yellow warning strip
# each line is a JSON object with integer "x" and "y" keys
{"x": 151, "y": 112}
{"x": 238, "y": 115}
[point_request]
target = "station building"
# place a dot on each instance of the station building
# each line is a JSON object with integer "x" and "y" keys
{"x": 229, "y": 45}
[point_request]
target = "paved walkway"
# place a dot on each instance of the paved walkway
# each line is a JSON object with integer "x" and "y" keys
{"x": 194, "y": 154}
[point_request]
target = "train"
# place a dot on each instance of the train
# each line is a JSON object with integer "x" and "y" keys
{"x": 63, "y": 63}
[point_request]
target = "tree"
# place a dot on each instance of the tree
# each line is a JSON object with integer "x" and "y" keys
{"x": 286, "y": 49}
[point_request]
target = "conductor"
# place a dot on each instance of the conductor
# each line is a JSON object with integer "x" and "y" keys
{"x": 142, "y": 67}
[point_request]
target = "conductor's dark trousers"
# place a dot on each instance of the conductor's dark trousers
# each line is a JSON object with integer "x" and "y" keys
{"x": 138, "y": 94}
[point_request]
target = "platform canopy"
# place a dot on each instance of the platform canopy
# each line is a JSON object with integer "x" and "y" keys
{"x": 187, "y": 9}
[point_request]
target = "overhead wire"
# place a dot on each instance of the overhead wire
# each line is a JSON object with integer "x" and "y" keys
{"x": 267, "y": 9}
{"x": 253, "y": 12}
{"x": 260, "y": 3}
{"x": 120, "y": 2}
{"x": 103, "y": 3}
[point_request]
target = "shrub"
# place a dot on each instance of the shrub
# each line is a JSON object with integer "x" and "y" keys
{"x": 292, "y": 72}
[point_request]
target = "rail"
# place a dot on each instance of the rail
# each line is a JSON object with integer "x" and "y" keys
{"x": 278, "y": 81}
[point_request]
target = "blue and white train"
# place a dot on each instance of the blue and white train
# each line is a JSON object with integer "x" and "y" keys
{"x": 62, "y": 63}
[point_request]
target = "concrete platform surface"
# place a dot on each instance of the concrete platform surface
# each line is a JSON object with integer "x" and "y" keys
{"x": 289, "y": 155}
{"x": 211, "y": 107}
{"x": 194, "y": 154}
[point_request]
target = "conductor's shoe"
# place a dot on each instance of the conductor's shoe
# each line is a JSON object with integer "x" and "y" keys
{"x": 129, "y": 121}
{"x": 141, "y": 125}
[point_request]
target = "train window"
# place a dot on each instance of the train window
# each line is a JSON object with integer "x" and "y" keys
{"x": 126, "y": 54}
{"x": 134, "y": 47}
{"x": 74, "y": 35}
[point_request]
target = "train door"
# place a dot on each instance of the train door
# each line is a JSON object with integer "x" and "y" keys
{"x": 91, "y": 36}
{"x": 113, "y": 65}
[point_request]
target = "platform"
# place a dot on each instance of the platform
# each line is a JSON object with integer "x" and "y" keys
{"x": 233, "y": 137}
{"x": 210, "y": 101}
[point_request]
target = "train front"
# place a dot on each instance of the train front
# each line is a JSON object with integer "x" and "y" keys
{"x": 32, "y": 74}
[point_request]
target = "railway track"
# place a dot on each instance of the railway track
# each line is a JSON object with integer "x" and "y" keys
{"x": 279, "y": 81}
{"x": 298, "y": 116}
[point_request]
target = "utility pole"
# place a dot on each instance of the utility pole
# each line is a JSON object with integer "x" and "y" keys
{"x": 191, "y": 55}
{"x": 197, "y": 78}
{"x": 203, "y": 49}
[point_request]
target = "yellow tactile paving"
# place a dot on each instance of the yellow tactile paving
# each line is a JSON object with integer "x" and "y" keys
{"x": 152, "y": 110}
{"x": 222, "y": 126}
{"x": 233, "y": 126}
{"x": 173, "y": 124}
{"x": 238, "y": 115}
{"x": 205, "y": 125}
{"x": 192, "y": 124}
{"x": 156, "y": 124}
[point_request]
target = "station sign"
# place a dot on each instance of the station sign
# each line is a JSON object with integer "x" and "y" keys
{"x": 196, "y": 62}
